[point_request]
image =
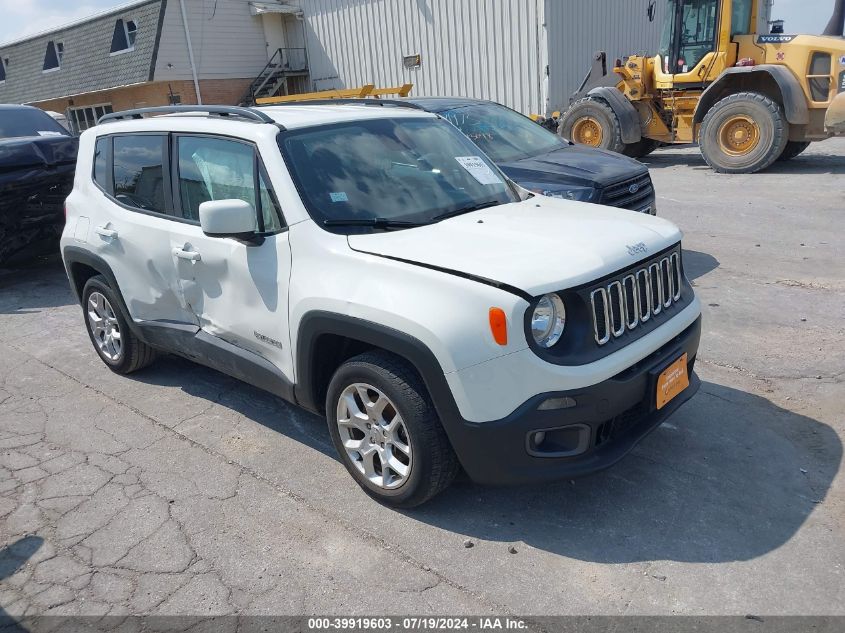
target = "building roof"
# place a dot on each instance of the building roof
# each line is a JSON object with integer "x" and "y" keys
{"x": 88, "y": 18}
{"x": 87, "y": 61}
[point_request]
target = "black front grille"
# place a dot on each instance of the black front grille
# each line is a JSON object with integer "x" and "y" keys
{"x": 631, "y": 298}
{"x": 634, "y": 193}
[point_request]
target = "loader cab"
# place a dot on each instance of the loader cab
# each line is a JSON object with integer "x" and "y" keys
{"x": 695, "y": 40}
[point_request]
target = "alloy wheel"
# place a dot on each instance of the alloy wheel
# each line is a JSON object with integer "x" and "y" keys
{"x": 374, "y": 435}
{"x": 104, "y": 326}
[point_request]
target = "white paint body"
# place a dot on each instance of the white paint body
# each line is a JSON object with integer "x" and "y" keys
{"x": 234, "y": 290}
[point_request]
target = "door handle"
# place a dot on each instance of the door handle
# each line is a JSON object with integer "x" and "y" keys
{"x": 191, "y": 256}
{"x": 104, "y": 231}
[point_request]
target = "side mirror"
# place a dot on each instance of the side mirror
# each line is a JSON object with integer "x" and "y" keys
{"x": 652, "y": 5}
{"x": 228, "y": 218}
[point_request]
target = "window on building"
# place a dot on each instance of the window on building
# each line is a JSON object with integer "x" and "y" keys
{"x": 219, "y": 169}
{"x": 123, "y": 38}
{"x": 2, "y": 70}
{"x": 131, "y": 31}
{"x": 139, "y": 171}
{"x": 101, "y": 156}
{"x": 87, "y": 116}
{"x": 53, "y": 56}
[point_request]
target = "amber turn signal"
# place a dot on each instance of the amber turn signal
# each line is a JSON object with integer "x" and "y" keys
{"x": 499, "y": 326}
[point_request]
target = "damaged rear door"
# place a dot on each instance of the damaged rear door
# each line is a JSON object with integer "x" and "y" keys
{"x": 130, "y": 226}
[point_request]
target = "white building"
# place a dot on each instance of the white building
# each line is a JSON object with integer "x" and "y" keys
{"x": 230, "y": 51}
{"x": 493, "y": 49}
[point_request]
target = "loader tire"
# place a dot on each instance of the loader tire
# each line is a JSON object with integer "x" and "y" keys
{"x": 593, "y": 123}
{"x": 641, "y": 148}
{"x": 743, "y": 133}
{"x": 793, "y": 148}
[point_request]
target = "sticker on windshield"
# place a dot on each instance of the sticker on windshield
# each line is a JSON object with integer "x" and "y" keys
{"x": 479, "y": 170}
{"x": 49, "y": 133}
{"x": 339, "y": 196}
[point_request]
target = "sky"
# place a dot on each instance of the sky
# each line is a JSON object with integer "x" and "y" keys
{"x": 26, "y": 17}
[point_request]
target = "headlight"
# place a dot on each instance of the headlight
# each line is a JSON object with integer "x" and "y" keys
{"x": 582, "y": 194}
{"x": 548, "y": 321}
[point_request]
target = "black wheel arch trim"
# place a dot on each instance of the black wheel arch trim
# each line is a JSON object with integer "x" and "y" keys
{"x": 792, "y": 96}
{"x": 629, "y": 118}
{"x": 77, "y": 255}
{"x": 317, "y": 323}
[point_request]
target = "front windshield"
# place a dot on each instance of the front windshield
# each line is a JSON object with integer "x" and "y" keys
{"x": 398, "y": 170}
{"x": 503, "y": 134}
{"x": 28, "y": 122}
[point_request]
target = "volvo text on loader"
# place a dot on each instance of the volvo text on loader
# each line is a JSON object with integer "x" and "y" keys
{"x": 747, "y": 98}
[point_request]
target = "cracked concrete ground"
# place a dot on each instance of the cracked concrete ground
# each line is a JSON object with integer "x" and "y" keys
{"x": 182, "y": 491}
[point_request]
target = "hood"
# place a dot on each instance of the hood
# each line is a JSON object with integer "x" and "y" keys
{"x": 40, "y": 151}
{"x": 538, "y": 246}
{"x": 574, "y": 164}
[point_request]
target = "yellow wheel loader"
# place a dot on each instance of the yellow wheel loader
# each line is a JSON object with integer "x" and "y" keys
{"x": 747, "y": 98}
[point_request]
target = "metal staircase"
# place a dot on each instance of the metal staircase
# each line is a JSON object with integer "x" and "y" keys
{"x": 286, "y": 63}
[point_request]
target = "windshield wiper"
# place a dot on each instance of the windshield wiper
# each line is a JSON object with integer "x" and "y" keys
{"x": 376, "y": 223}
{"x": 467, "y": 209}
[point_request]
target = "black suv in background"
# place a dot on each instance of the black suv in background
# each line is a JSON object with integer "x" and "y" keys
{"x": 541, "y": 161}
{"x": 37, "y": 164}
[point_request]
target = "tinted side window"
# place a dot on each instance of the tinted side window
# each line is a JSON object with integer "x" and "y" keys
{"x": 219, "y": 169}
{"x": 100, "y": 163}
{"x": 139, "y": 171}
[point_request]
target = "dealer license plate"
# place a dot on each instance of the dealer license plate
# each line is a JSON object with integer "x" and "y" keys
{"x": 672, "y": 381}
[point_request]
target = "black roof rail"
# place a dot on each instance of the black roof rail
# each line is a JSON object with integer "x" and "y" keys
{"x": 249, "y": 114}
{"x": 366, "y": 101}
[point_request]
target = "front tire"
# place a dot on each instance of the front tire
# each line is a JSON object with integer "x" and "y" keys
{"x": 386, "y": 431}
{"x": 114, "y": 342}
{"x": 743, "y": 133}
{"x": 593, "y": 123}
{"x": 793, "y": 149}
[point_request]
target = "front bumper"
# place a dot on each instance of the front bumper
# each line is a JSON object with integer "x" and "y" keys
{"x": 607, "y": 421}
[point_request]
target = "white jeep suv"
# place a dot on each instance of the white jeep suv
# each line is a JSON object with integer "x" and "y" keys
{"x": 369, "y": 263}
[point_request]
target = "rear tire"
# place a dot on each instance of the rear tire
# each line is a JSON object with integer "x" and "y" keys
{"x": 793, "y": 149}
{"x": 743, "y": 133}
{"x": 593, "y": 123}
{"x": 386, "y": 431}
{"x": 114, "y": 342}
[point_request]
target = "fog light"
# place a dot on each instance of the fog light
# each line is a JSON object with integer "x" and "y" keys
{"x": 553, "y": 404}
{"x": 539, "y": 438}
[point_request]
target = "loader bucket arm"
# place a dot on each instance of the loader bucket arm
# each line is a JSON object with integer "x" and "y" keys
{"x": 834, "y": 120}
{"x": 597, "y": 77}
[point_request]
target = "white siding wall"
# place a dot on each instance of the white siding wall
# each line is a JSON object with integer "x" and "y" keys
{"x": 479, "y": 48}
{"x": 228, "y": 41}
{"x": 578, "y": 28}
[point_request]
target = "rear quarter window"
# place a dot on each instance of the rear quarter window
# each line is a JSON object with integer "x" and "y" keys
{"x": 139, "y": 172}
{"x": 101, "y": 164}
